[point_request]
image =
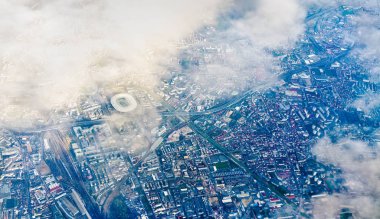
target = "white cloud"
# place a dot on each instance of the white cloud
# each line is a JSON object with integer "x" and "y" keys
{"x": 53, "y": 51}
{"x": 243, "y": 58}
{"x": 360, "y": 165}
{"x": 273, "y": 24}
{"x": 368, "y": 38}
{"x": 366, "y": 32}
{"x": 368, "y": 102}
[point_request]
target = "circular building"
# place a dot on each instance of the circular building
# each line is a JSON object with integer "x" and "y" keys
{"x": 124, "y": 102}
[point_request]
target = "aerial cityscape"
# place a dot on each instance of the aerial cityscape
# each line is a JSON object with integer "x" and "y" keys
{"x": 177, "y": 109}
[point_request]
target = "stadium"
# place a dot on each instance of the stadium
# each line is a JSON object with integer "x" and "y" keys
{"x": 124, "y": 102}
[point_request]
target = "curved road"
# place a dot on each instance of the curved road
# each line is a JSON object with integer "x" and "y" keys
{"x": 178, "y": 114}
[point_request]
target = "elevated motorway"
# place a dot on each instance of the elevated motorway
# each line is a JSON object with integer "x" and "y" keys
{"x": 280, "y": 192}
{"x": 57, "y": 140}
{"x": 215, "y": 109}
{"x": 153, "y": 146}
{"x": 181, "y": 114}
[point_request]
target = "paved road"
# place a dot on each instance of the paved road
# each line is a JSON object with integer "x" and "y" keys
{"x": 215, "y": 109}
{"x": 58, "y": 142}
{"x": 226, "y": 105}
{"x": 280, "y": 192}
{"x": 153, "y": 146}
{"x": 180, "y": 114}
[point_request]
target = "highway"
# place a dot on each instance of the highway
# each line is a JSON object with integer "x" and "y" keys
{"x": 275, "y": 189}
{"x": 180, "y": 115}
{"x": 153, "y": 146}
{"x": 217, "y": 108}
{"x": 58, "y": 142}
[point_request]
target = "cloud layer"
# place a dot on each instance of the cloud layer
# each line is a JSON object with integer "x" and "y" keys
{"x": 238, "y": 54}
{"x": 368, "y": 102}
{"x": 51, "y": 52}
{"x": 360, "y": 165}
{"x": 368, "y": 38}
{"x": 54, "y": 51}
{"x": 272, "y": 24}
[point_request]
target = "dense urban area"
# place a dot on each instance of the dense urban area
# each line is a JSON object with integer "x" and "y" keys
{"x": 245, "y": 155}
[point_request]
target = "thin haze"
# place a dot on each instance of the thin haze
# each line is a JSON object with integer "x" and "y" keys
{"x": 51, "y": 52}
{"x": 366, "y": 34}
{"x": 360, "y": 166}
{"x": 247, "y": 38}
